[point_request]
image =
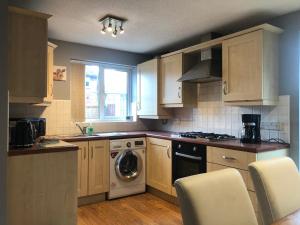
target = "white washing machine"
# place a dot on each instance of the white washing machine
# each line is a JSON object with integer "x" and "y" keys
{"x": 127, "y": 167}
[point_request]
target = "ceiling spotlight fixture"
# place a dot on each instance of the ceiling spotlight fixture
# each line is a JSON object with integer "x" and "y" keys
{"x": 121, "y": 29}
{"x": 103, "y": 30}
{"x": 109, "y": 28}
{"x": 109, "y": 21}
{"x": 114, "y": 34}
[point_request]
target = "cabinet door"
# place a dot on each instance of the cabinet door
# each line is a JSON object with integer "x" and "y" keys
{"x": 27, "y": 56}
{"x": 82, "y": 181}
{"x": 147, "y": 88}
{"x": 50, "y": 63}
{"x": 98, "y": 167}
{"x": 159, "y": 168}
{"x": 242, "y": 67}
{"x": 171, "y": 71}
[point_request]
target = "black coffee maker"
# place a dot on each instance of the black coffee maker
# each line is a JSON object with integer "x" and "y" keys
{"x": 251, "y": 128}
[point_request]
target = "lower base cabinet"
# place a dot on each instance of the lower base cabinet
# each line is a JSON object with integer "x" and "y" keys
{"x": 159, "y": 164}
{"x": 42, "y": 189}
{"x": 93, "y": 167}
{"x": 221, "y": 158}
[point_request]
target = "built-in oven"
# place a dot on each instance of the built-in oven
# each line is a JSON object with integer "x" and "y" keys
{"x": 188, "y": 159}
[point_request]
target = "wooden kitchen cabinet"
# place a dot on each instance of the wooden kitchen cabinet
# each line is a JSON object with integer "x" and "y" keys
{"x": 83, "y": 156}
{"x": 250, "y": 68}
{"x": 148, "y": 80}
{"x": 50, "y": 64}
{"x": 159, "y": 164}
{"x": 27, "y": 55}
{"x": 174, "y": 93}
{"x": 98, "y": 167}
{"x": 42, "y": 188}
{"x": 221, "y": 158}
{"x": 93, "y": 167}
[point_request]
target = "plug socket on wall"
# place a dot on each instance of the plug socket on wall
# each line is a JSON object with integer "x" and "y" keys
{"x": 276, "y": 126}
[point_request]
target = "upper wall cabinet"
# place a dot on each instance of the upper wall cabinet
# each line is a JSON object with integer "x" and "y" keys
{"x": 174, "y": 93}
{"x": 148, "y": 91}
{"x": 27, "y": 55}
{"x": 250, "y": 69}
{"x": 50, "y": 59}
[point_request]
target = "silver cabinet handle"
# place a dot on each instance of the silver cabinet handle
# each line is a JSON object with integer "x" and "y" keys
{"x": 225, "y": 91}
{"x": 168, "y": 151}
{"x": 84, "y": 153}
{"x": 179, "y": 92}
{"x": 228, "y": 158}
{"x": 188, "y": 156}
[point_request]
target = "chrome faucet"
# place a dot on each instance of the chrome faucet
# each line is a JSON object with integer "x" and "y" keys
{"x": 82, "y": 129}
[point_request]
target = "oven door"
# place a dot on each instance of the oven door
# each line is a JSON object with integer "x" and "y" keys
{"x": 186, "y": 165}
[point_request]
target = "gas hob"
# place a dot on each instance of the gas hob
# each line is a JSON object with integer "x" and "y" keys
{"x": 207, "y": 136}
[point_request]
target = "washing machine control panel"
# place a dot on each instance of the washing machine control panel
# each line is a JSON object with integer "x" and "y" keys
{"x": 139, "y": 143}
{"x": 132, "y": 143}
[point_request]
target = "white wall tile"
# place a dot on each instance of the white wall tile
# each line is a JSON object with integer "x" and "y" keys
{"x": 211, "y": 115}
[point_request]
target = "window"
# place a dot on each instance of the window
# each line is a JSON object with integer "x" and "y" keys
{"x": 107, "y": 92}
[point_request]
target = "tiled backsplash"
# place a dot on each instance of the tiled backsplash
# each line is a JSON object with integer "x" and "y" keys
{"x": 59, "y": 121}
{"x": 212, "y": 115}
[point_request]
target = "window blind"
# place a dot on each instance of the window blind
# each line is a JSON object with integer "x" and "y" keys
{"x": 77, "y": 92}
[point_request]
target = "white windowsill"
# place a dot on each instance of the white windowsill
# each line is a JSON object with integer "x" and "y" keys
{"x": 108, "y": 121}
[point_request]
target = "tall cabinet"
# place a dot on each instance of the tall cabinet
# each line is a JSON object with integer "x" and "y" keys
{"x": 27, "y": 55}
{"x": 250, "y": 68}
{"x": 148, "y": 80}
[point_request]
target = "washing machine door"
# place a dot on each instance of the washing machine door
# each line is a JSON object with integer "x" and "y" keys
{"x": 128, "y": 165}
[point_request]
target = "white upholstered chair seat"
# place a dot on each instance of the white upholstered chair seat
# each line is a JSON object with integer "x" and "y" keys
{"x": 277, "y": 185}
{"x": 215, "y": 198}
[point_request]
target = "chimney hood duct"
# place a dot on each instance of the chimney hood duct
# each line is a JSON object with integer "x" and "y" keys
{"x": 204, "y": 71}
{"x": 208, "y": 66}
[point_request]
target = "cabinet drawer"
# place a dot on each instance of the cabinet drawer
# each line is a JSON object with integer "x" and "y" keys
{"x": 245, "y": 174}
{"x": 231, "y": 158}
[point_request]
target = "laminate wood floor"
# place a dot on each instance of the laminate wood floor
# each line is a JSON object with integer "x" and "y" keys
{"x": 143, "y": 209}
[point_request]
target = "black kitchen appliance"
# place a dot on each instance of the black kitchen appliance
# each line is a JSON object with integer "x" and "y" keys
{"x": 188, "y": 159}
{"x": 251, "y": 128}
{"x": 24, "y": 131}
{"x": 207, "y": 136}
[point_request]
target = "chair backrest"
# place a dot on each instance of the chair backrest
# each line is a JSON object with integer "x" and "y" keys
{"x": 277, "y": 185}
{"x": 215, "y": 198}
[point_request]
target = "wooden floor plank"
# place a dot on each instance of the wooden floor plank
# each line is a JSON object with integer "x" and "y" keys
{"x": 143, "y": 209}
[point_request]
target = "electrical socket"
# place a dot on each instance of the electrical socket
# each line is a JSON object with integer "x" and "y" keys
{"x": 276, "y": 126}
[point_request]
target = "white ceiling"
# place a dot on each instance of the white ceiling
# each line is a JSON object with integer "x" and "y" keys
{"x": 152, "y": 25}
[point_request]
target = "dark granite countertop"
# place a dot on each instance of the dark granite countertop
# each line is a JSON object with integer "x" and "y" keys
{"x": 43, "y": 147}
{"x": 230, "y": 144}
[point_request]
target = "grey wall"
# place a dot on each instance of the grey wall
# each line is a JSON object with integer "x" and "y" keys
{"x": 67, "y": 51}
{"x": 3, "y": 109}
{"x": 289, "y": 71}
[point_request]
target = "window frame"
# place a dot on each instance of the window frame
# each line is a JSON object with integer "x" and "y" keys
{"x": 101, "y": 91}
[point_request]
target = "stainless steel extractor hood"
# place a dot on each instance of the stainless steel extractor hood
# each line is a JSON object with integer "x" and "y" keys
{"x": 208, "y": 69}
{"x": 208, "y": 66}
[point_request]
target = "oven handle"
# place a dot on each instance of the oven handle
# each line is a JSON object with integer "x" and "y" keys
{"x": 188, "y": 156}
